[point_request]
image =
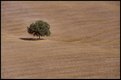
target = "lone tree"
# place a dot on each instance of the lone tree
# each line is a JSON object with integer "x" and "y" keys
{"x": 39, "y": 28}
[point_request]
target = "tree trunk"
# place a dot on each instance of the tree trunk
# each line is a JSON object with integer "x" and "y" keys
{"x": 39, "y": 37}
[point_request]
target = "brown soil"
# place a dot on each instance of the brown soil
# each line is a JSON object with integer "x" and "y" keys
{"x": 85, "y": 40}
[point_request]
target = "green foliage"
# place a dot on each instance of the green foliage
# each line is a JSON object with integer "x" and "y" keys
{"x": 39, "y": 28}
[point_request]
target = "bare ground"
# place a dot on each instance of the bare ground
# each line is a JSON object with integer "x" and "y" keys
{"x": 85, "y": 40}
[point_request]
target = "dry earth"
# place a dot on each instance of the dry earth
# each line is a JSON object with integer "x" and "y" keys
{"x": 85, "y": 40}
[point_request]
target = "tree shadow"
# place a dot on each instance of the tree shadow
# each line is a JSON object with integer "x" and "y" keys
{"x": 31, "y": 39}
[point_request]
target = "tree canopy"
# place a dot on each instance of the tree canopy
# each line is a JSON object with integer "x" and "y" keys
{"x": 39, "y": 28}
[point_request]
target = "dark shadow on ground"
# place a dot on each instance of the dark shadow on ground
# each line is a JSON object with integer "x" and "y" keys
{"x": 31, "y": 39}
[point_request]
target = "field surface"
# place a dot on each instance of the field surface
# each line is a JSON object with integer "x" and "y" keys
{"x": 85, "y": 40}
